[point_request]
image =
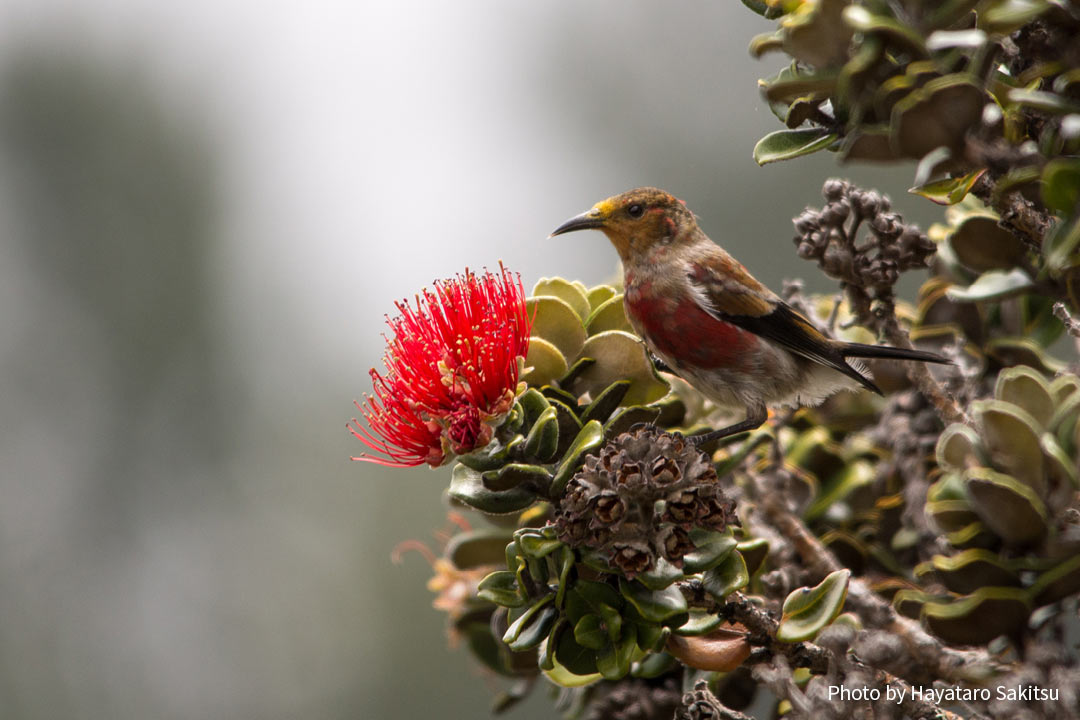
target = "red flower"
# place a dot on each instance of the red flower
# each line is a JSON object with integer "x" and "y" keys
{"x": 451, "y": 371}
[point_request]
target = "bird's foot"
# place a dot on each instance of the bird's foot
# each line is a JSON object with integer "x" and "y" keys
{"x": 644, "y": 425}
{"x": 660, "y": 364}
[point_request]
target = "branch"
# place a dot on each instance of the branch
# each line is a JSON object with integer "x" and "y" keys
{"x": 939, "y": 660}
{"x": 1072, "y": 325}
{"x": 1018, "y": 215}
{"x": 762, "y": 626}
{"x": 920, "y": 375}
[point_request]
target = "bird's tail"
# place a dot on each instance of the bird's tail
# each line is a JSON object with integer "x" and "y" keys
{"x": 858, "y": 350}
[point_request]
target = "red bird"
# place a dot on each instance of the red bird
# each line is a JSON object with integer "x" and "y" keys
{"x": 705, "y": 317}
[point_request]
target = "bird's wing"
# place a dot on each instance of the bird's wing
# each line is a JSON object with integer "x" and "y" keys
{"x": 731, "y": 294}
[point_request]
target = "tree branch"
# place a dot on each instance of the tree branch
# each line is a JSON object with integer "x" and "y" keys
{"x": 937, "y": 660}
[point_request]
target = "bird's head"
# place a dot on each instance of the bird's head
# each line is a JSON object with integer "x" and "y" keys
{"x": 636, "y": 222}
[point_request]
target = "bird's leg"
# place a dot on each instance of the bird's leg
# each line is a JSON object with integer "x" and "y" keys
{"x": 755, "y": 417}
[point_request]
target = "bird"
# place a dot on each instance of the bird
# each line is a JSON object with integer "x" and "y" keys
{"x": 709, "y": 321}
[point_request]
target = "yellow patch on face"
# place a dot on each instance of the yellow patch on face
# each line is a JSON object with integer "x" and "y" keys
{"x": 604, "y": 208}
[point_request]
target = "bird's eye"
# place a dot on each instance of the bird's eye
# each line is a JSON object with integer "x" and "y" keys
{"x": 635, "y": 210}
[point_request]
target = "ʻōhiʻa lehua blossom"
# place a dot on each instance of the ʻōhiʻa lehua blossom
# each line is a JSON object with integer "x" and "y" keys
{"x": 452, "y": 370}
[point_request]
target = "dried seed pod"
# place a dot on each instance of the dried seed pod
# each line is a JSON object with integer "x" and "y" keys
{"x": 638, "y": 499}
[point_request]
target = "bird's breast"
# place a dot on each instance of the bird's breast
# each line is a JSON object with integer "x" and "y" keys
{"x": 676, "y": 327}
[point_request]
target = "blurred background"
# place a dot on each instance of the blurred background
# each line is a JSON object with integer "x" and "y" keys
{"x": 206, "y": 210}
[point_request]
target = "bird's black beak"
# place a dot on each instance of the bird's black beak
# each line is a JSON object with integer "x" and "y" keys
{"x": 589, "y": 220}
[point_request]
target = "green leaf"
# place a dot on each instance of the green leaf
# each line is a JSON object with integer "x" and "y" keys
{"x": 1010, "y": 508}
{"x": 862, "y": 20}
{"x": 766, "y": 42}
{"x": 978, "y": 618}
{"x": 611, "y": 315}
{"x": 651, "y": 638}
{"x": 580, "y": 365}
{"x": 600, "y": 294}
{"x": 817, "y": 35}
{"x": 476, "y": 548}
{"x": 1024, "y": 387}
{"x": 1061, "y": 243}
{"x": 590, "y": 438}
{"x": 612, "y": 620}
{"x": 788, "y": 144}
{"x": 562, "y": 677}
{"x": 501, "y": 588}
{"x": 700, "y": 623}
{"x": 993, "y": 285}
{"x": 614, "y": 660}
{"x": 972, "y": 569}
{"x": 606, "y": 402}
{"x": 727, "y": 577}
{"x": 532, "y": 626}
{"x": 619, "y": 356}
{"x": 807, "y": 610}
{"x": 492, "y": 456}
{"x": 536, "y": 543}
{"x": 761, "y": 8}
{"x": 1046, "y": 102}
{"x": 532, "y": 403}
{"x": 660, "y": 576}
{"x": 654, "y": 665}
{"x": 544, "y": 362}
{"x": 591, "y": 633}
{"x": 543, "y": 439}
{"x": 712, "y": 549}
{"x": 653, "y": 605}
{"x": 568, "y": 292}
{"x": 870, "y": 144}
{"x": 565, "y": 565}
{"x": 569, "y": 424}
{"x": 956, "y": 450}
{"x": 948, "y": 191}
{"x": 571, "y": 655}
{"x": 512, "y": 475}
{"x": 1011, "y": 434}
{"x": 589, "y": 597}
{"x": 981, "y": 244}
{"x": 753, "y": 552}
{"x": 1061, "y": 185}
{"x": 928, "y": 163}
{"x": 1006, "y": 16}
{"x": 1059, "y": 465}
{"x": 467, "y": 486}
{"x": 854, "y": 475}
{"x": 790, "y": 85}
{"x": 947, "y": 13}
{"x": 1062, "y": 581}
{"x": 557, "y": 322}
{"x": 935, "y": 115}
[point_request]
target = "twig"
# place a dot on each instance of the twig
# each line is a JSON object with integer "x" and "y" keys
{"x": 1072, "y": 325}
{"x": 920, "y": 375}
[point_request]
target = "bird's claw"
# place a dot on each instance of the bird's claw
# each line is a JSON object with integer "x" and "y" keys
{"x": 643, "y": 425}
{"x": 659, "y": 364}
